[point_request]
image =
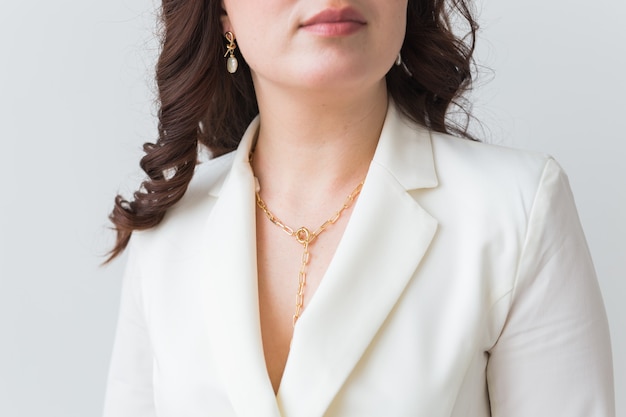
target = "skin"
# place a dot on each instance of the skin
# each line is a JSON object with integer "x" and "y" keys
{"x": 322, "y": 102}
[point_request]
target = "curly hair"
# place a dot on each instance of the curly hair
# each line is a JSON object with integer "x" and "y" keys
{"x": 201, "y": 103}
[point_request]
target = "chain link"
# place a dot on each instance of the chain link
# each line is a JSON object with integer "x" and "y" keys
{"x": 304, "y": 237}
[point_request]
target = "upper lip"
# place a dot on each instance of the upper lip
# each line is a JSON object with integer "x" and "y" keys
{"x": 346, "y": 14}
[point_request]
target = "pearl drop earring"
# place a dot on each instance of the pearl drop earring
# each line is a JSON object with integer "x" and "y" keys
{"x": 231, "y": 63}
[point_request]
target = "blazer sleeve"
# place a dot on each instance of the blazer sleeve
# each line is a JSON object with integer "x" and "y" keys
{"x": 129, "y": 389}
{"x": 553, "y": 357}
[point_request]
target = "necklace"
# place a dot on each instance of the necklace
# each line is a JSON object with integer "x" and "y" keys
{"x": 305, "y": 237}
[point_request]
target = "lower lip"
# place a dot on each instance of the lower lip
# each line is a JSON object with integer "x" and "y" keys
{"x": 334, "y": 29}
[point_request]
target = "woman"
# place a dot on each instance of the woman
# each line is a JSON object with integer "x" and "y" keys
{"x": 340, "y": 254}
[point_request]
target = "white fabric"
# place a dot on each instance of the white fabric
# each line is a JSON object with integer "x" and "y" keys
{"x": 461, "y": 287}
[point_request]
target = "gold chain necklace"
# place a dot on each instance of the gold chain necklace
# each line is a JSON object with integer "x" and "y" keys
{"x": 305, "y": 237}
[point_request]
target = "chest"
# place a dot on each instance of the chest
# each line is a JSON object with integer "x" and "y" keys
{"x": 397, "y": 374}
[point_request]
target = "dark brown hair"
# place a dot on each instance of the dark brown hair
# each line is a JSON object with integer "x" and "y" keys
{"x": 201, "y": 103}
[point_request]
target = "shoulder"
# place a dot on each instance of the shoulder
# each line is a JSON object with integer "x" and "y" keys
{"x": 489, "y": 193}
{"x": 207, "y": 181}
{"x": 480, "y": 172}
{"x": 182, "y": 221}
{"x": 489, "y": 164}
{"x": 420, "y": 158}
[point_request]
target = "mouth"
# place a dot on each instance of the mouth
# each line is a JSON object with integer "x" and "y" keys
{"x": 335, "y": 22}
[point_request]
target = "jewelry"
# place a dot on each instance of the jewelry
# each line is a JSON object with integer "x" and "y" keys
{"x": 231, "y": 63}
{"x": 400, "y": 63}
{"x": 305, "y": 237}
{"x": 399, "y": 59}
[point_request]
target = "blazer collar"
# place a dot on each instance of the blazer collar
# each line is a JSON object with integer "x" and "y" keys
{"x": 229, "y": 269}
{"x": 405, "y": 152}
{"x": 381, "y": 249}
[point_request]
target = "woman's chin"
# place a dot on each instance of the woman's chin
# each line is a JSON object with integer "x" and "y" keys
{"x": 335, "y": 78}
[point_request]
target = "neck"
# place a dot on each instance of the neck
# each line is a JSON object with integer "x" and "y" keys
{"x": 315, "y": 145}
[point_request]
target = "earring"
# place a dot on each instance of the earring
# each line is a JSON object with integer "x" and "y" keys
{"x": 231, "y": 63}
{"x": 399, "y": 59}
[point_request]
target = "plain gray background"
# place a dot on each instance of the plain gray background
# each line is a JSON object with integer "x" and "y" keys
{"x": 76, "y": 105}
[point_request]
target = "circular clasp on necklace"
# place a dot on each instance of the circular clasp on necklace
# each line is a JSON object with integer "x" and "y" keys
{"x": 303, "y": 235}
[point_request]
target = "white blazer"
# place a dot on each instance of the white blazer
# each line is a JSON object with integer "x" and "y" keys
{"x": 462, "y": 287}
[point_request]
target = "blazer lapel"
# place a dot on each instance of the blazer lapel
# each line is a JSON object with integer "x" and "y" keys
{"x": 383, "y": 244}
{"x": 232, "y": 291}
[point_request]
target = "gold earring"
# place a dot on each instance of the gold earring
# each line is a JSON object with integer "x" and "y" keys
{"x": 231, "y": 63}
